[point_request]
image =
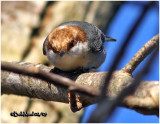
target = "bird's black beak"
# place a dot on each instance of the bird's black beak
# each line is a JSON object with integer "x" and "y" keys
{"x": 109, "y": 39}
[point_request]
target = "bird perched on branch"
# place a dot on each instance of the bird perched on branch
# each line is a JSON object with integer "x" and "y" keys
{"x": 76, "y": 45}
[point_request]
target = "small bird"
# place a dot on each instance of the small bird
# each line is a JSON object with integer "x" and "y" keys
{"x": 76, "y": 45}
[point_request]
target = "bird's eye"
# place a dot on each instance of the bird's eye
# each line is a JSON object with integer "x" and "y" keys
{"x": 71, "y": 44}
{"x": 102, "y": 38}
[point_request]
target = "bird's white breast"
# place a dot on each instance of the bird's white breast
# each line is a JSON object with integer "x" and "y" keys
{"x": 73, "y": 59}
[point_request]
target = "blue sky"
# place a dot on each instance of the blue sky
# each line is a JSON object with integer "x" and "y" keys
{"x": 119, "y": 29}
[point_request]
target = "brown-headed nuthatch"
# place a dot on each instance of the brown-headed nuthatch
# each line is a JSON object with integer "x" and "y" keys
{"x": 74, "y": 45}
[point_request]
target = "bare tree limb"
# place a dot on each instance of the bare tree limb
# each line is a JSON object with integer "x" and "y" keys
{"x": 50, "y": 77}
{"x": 20, "y": 84}
{"x": 141, "y": 54}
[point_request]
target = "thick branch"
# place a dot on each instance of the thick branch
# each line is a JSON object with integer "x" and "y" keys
{"x": 19, "y": 84}
{"x": 33, "y": 71}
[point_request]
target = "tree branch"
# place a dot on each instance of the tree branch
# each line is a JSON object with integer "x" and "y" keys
{"x": 33, "y": 71}
{"x": 20, "y": 84}
{"x": 141, "y": 54}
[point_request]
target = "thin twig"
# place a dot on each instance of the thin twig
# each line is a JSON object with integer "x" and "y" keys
{"x": 141, "y": 54}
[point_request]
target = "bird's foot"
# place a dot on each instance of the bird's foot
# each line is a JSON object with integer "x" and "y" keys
{"x": 75, "y": 71}
{"x": 56, "y": 71}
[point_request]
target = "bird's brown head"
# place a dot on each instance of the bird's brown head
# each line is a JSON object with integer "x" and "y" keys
{"x": 63, "y": 38}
